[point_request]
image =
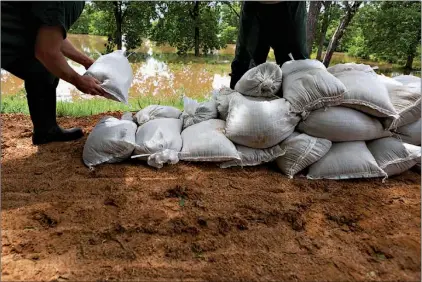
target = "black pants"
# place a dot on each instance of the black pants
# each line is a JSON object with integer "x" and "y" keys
{"x": 280, "y": 26}
{"x": 40, "y": 86}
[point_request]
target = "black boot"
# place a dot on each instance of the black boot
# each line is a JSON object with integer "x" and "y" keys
{"x": 56, "y": 134}
{"x": 41, "y": 95}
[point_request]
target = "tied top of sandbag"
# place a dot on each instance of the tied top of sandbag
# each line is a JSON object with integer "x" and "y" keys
{"x": 261, "y": 81}
{"x": 291, "y": 67}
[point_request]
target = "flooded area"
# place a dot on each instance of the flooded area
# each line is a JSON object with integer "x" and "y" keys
{"x": 160, "y": 72}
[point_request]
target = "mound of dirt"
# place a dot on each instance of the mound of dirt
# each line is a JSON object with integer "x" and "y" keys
{"x": 61, "y": 221}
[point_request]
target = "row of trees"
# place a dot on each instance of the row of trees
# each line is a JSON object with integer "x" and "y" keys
{"x": 387, "y": 30}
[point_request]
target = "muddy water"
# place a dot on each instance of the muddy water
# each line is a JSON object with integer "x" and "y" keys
{"x": 159, "y": 72}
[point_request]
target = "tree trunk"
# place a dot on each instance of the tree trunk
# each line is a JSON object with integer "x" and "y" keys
{"x": 338, "y": 34}
{"x": 119, "y": 19}
{"x": 196, "y": 20}
{"x": 313, "y": 14}
{"x": 409, "y": 62}
{"x": 324, "y": 27}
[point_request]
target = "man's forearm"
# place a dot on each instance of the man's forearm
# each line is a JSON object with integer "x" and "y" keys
{"x": 75, "y": 55}
{"x": 56, "y": 63}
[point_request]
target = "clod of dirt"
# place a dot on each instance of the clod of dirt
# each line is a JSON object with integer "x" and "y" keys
{"x": 295, "y": 219}
{"x": 177, "y": 192}
{"x": 177, "y": 251}
{"x": 110, "y": 202}
{"x": 179, "y": 226}
{"x": 202, "y": 222}
{"x": 223, "y": 226}
{"x": 118, "y": 228}
{"x": 45, "y": 220}
{"x": 350, "y": 221}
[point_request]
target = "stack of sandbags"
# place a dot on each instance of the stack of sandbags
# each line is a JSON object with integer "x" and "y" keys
{"x": 152, "y": 134}
{"x": 158, "y": 137}
{"x": 373, "y": 106}
{"x": 406, "y": 99}
{"x": 335, "y": 123}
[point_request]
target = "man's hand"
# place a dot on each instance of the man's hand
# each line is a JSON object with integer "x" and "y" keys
{"x": 89, "y": 85}
{"x": 48, "y": 50}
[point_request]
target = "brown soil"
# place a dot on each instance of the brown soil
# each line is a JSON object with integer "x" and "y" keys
{"x": 61, "y": 221}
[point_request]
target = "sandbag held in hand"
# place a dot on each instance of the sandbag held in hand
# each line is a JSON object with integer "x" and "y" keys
{"x": 340, "y": 124}
{"x": 112, "y": 140}
{"x": 115, "y": 74}
{"x": 259, "y": 124}
{"x": 263, "y": 80}
{"x": 308, "y": 86}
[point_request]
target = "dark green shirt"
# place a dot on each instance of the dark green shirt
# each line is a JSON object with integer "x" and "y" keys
{"x": 20, "y": 22}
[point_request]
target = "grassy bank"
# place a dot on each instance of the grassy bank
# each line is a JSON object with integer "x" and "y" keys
{"x": 18, "y": 104}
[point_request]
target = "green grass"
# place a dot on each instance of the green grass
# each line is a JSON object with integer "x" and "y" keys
{"x": 18, "y": 104}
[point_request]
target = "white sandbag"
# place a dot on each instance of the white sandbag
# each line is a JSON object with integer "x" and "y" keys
{"x": 259, "y": 124}
{"x": 253, "y": 157}
{"x": 408, "y": 80}
{"x": 115, "y": 74}
{"x": 222, "y": 97}
{"x": 195, "y": 112}
{"x": 127, "y": 116}
{"x": 346, "y": 160}
{"x": 156, "y": 111}
{"x": 407, "y": 102}
{"x": 340, "y": 124}
{"x": 341, "y": 68}
{"x": 308, "y": 86}
{"x": 393, "y": 156}
{"x": 389, "y": 82}
{"x": 167, "y": 156}
{"x": 206, "y": 142}
{"x": 157, "y": 135}
{"x": 302, "y": 151}
{"x": 365, "y": 92}
{"x": 263, "y": 80}
{"x": 410, "y": 133}
{"x": 112, "y": 140}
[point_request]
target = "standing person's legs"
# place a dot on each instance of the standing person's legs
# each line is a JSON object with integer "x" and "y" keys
{"x": 40, "y": 86}
{"x": 250, "y": 51}
{"x": 296, "y": 24}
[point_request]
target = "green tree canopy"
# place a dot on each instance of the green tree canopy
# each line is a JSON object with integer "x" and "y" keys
{"x": 188, "y": 25}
